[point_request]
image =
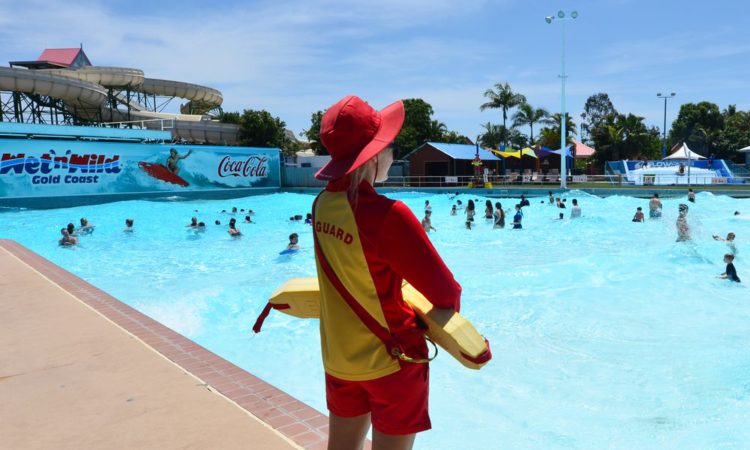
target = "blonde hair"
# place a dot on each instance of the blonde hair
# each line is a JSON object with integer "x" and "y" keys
{"x": 356, "y": 178}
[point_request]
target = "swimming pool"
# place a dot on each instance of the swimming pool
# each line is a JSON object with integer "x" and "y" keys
{"x": 605, "y": 333}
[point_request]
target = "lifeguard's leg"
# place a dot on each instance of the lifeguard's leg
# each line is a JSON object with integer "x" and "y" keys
{"x": 381, "y": 441}
{"x": 348, "y": 433}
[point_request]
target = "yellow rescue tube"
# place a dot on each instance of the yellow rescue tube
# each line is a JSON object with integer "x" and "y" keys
{"x": 300, "y": 297}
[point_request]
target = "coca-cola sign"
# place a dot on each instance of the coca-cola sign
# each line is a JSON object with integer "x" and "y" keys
{"x": 249, "y": 167}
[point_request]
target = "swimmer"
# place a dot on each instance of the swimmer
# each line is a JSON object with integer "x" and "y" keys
{"x": 308, "y": 219}
{"x": 562, "y": 216}
{"x": 296, "y": 218}
{"x": 234, "y": 210}
{"x": 86, "y": 227}
{"x": 427, "y": 222}
{"x": 499, "y": 216}
{"x": 216, "y": 222}
{"x": 730, "y": 273}
{"x": 683, "y": 229}
{"x": 488, "y": 209}
{"x": 470, "y": 211}
{"x": 575, "y": 211}
{"x": 67, "y": 240}
{"x": 233, "y": 230}
{"x": 427, "y": 206}
{"x": 517, "y": 218}
{"x": 247, "y": 219}
{"x": 71, "y": 229}
{"x": 524, "y": 201}
{"x": 638, "y": 217}
{"x": 736, "y": 213}
{"x": 560, "y": 204}
{"x": 194, "y": 222}
{"x": 654, "y": 207}
{"x": 551, "y": 199}
{"x": 729, "y": 240}
{"x": 691, "y": 195}
{"x": 454, "y": 211}
{"x": 460, "y": 204}
{"x": 128, "y": 226}
{"x": 293, "y": 241}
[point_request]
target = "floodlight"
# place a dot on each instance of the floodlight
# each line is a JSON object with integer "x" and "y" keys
{"x": 659, "y": 94}
{"x": 574, "y": 14}
{"x": 549, "y": 19}
{"x": 560, "y": 14}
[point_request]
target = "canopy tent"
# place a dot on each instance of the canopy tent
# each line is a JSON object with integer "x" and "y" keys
{"x": 684, "y": 153}
{"x": 744, "y": 149}
{"x": 583, "y": 151}
{"x": 544, "y": 151}
{"x": 518, "y": 154}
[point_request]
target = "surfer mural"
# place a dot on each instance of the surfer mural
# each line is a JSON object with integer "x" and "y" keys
{"x": 169, "y": 172}
{"x": 53, "y": 168}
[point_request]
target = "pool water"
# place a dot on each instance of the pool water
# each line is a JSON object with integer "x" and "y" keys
{"x": 605, "y": 333}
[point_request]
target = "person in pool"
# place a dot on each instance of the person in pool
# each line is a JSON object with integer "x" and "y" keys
{"x": 194, "y": 222}
{"x": 499, "y": 216}
{"x": 729, "y": 240}
{"x": 71, "y": 229}
{"x": 248, "y": 219}
{"x": 308, "y": 219}
{"x": 524, "y": 201}
{"x": 454, "y": 211}
{"x": 233, "y": 230}
{"x": 427, "y": 206}
{"x": 427, "y": 222}
{"x": 683, "y": 229}
{"x": 459, "y": 204}
{"x": 517, "y": 218}
{"x": 129, "y": 226}
{"x": 551, "y": 199}
{"x": 638, "y": 217}
{"x": 575, "y": 211}
{"x": 730, "y": 272}
{"x": 174, "y": 158}
{"x": 488, "y": 209}
{"x": 293, "y": 242}
{"x": 67, "y": 240}
{"x": 470, "y": 211}
{"x": 691, "y": 195}
{"x": 654, "y": 207}
{"x": 374, "y": 241}
{"x": 86, "y": 227}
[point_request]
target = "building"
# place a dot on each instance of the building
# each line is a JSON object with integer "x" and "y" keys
{"x": 437, "y": 159}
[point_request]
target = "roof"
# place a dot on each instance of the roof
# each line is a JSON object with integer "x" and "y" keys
{"x": 684, "y": 152}
{"x": 64, "y": 56}
{"x": 460, "y": 151}
{"x": 582, "y": 150}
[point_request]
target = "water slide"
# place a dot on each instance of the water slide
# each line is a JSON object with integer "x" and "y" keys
{"x": 85, "y": 93}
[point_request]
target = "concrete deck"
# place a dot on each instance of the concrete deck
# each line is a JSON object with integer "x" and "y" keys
{"x": 81, "y": 370}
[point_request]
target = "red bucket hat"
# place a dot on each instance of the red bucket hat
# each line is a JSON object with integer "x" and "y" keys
{"x": 353, "y": 132}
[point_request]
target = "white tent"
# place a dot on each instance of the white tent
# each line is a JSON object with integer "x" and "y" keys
{"x": 684, "y": 153}
{"x": 745, "y": 149}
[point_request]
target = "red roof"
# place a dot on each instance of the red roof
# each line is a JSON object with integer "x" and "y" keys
{"x": 64, "y": 56}
{"x": 583, "y": 150}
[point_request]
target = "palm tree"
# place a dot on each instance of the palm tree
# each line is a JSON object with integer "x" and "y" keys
{"x": 437, "y": 130}
{"x": 502, "y": 98}
{"x": 570, "y": 126}
{"x": 528, "y": 115}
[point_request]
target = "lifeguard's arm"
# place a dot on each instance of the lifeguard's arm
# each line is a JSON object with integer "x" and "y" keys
{"x": 405, "y": 245}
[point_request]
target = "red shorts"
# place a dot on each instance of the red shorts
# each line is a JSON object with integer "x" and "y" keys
{"x": 397, "y": 402}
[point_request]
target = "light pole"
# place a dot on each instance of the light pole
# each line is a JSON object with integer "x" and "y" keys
{"x": 563, "y": 157}
{"x": 664, "y": 140}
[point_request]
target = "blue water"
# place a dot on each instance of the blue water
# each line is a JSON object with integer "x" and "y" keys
{"x": 605, "y": 333}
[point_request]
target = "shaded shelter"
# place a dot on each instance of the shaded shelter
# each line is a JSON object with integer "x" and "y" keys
{"x": 438, "y": 159}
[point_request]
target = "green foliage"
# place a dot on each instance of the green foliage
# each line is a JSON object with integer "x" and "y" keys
{"x": 313, "y": 134}
{"x": 699, "y": 125}
{"x": 495, "y": 136}
{"x": 550, "y": 135}
{"x": 419, "y": 127}
{"x": 528, "y": 115}
{"x": 735, "y": 135}
{"x": 620, "y": 136}
{"x": 502, "y": 98}
{"x": 229, "y": 117}
{"x": 261, "y": 129}
{"x": 596, "y": 109}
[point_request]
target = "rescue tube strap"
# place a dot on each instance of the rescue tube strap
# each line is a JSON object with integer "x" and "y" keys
{"x": 391, "y": 344}
{"x": 266, "y": 310}
{"x": 482, "y": 357}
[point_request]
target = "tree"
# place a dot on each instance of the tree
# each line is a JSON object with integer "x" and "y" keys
{"x": 417, "y": 126}
{"x": 229, "y": 117}
{"x": 502, "y": 98}
{"x": 528, "y": 115}
{"x": 699, "y": 125}
{"x": 261, "y": 129}
{"x": 620, "y": 136}
{"x": 493, "y": 135}
{"x": 313, "y": 134}
{"x": 596, "y": 109}
{"x": 550, "y": 135}
{"x": 735, "y": 135}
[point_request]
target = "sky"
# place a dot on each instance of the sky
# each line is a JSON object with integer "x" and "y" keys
{"x": 295, "y": 57}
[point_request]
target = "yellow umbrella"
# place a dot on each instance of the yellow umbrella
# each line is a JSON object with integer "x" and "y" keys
{"x": 528, "y": 151}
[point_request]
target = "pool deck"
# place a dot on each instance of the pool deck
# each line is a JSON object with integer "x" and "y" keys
{"x": 80, "y": 369}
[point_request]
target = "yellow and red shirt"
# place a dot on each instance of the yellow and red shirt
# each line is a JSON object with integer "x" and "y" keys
{"x": 373, "y": 244}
